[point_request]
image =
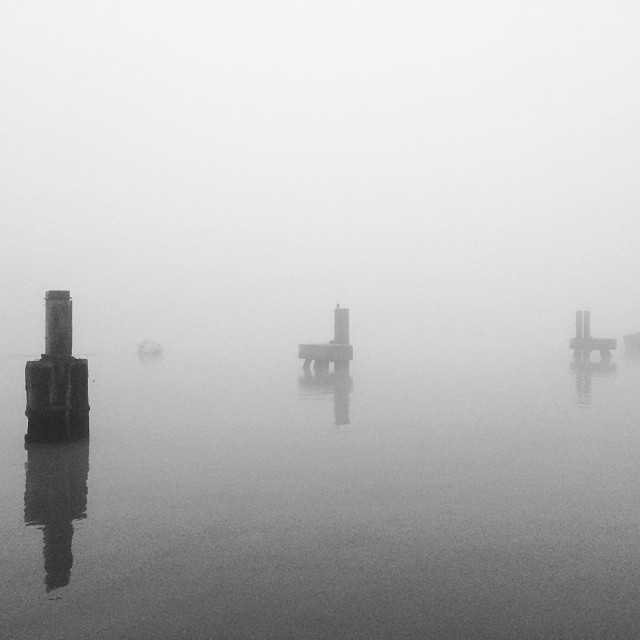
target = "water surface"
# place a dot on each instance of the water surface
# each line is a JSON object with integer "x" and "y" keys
{"x": 226, "y": 499}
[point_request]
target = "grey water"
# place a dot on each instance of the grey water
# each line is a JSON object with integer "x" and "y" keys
{"x": 226, "y": 498}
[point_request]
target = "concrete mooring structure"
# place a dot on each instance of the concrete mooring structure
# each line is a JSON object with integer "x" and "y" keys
{"x": 57, "y": 385}
{"x": 339, "y": 350}
{"x": 583, "y": 344}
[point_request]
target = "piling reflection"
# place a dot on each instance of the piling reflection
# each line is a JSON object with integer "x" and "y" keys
{"x": 632, "y": 353}
{"x": 322, "y": 383}
{"x": 584, "y": 372}
{"x": 55, "y": 496}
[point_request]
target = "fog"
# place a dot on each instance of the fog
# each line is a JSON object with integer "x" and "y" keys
{"x": 220, "y": 175}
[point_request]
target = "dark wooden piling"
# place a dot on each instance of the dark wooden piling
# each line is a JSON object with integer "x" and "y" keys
{"x": 57, "y": 384}
{"x": 339, "y": 350}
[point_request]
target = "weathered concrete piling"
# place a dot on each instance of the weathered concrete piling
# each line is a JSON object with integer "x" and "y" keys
{"x": 57, "y": 385}
{"x": 338, "y": 351}
{"x": 583, "y": 344}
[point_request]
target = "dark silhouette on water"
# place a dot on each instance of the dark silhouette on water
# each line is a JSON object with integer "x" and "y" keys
{"x": 55, "y": 496}
{"x": 57, "y": 385}
{"x": 339, "y": 350}
{"x": 583, "y": 343}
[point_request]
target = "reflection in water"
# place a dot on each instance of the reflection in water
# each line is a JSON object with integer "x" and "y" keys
{"x": 338, "y": 383}
{"x": 632, "y": 352}
{"x": 584, "y": 371}
{"x": 55, "y": 495}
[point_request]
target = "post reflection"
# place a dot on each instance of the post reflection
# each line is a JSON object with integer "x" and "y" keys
{"x": 322, "y": 383}
{"x": 632, "y": 352}
{"x": 584, "y": 372}
{"x": 55, "y": 496}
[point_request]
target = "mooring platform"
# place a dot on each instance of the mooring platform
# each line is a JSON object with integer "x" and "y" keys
{"x": 339, "y": 350}
{"x": 323, "y": 354}
{"x": 583, "y": 344}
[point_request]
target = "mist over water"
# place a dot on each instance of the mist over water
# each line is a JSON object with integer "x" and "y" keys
{"x": 202, "y": 173}
{"x": 217, "y": 177}
{"x": 489, "y": 501}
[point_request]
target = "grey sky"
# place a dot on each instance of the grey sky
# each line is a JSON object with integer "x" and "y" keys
{"x": 222, "y": 167}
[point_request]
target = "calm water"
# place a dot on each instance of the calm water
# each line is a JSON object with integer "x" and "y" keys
{"x": 243, "y": 500}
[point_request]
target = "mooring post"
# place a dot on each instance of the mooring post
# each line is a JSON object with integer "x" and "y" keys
{"x": 57, "y": 385}
{"x": 58, "y": 323}
{"x": 579, "y": 325}
{"x": 341, "y": 326}
{"x": 586, "y": 335}
{"x": 587, "y": 325}
{"x": 339, "y": 350}
{"x": 579, "y": 342}
{"x": 341, "y": 335}
{"x": 583, "y": 344}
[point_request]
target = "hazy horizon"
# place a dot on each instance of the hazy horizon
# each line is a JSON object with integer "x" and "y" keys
{"x": 218, "y": 174}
